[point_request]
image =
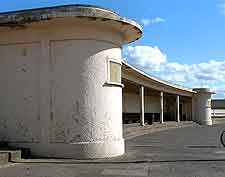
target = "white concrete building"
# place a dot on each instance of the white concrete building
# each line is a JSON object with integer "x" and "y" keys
{"x": 61, "y": 79}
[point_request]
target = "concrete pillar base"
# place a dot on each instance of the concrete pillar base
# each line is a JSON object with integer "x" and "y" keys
{"x": 81, "y": 150}
{"x": 206, "y": 122}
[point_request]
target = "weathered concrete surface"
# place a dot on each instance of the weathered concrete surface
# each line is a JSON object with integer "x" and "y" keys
{"x": 92, "y": 13}
{"x": 191, "y": 152}
{"x": 202, "y": 106}
{"x": 56, "y": 95}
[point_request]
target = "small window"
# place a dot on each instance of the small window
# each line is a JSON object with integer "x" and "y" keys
{"x": 115, "y": 72}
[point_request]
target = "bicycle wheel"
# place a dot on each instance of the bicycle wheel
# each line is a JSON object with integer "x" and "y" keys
{"x": 222, "y": 138}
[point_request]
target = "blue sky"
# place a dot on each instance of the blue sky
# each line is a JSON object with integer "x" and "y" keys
{"x": 183, "y": 41}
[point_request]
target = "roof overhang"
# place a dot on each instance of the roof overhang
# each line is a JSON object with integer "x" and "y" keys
{"x": 135, "y": 75}
{"x": 129, "y": 29}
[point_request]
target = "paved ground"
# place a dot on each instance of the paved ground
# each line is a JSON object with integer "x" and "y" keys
{"x": 189, "y": 152}
{"x": 133, "y": 130}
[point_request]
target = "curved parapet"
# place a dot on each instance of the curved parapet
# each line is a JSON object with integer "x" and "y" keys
{"x": 129, "y": 29}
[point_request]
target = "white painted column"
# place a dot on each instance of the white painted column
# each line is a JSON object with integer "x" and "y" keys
{"x": 142, "y": 106}
{"x": 193, "y": 108}
{"x": 202, "y": 104}
{"x": 178, "y": 108}
{"x": 161, "y": 107}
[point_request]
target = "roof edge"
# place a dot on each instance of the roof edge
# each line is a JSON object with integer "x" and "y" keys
{"x": 158, "y": 79}
{"x": 131, "y": 30}
{"x": 57, "y": 6}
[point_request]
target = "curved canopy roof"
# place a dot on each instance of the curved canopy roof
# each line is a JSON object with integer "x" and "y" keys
{"x": 130, "y": 30}
{"x": 132, "y": 73}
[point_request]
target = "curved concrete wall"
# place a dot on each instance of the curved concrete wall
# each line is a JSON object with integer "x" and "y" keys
{"x": 202, "y": 106}
{"x": 56, "y": 100}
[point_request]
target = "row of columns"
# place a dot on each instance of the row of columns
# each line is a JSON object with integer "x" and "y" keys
{"x": 142, "y": 107}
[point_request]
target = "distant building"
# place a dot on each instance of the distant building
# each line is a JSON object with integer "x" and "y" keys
{"x": 218, "y": 108}
{"x": 64, "y": 86}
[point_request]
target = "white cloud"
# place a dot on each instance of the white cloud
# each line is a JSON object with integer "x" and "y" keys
{"x": 147, "y": 22}
{"x": 222, "y": 8}
{"x": 153, "y": 61}
{"x": 145, "y": 56}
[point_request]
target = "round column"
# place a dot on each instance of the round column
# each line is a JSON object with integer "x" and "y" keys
{"x": 202, "y": 106}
